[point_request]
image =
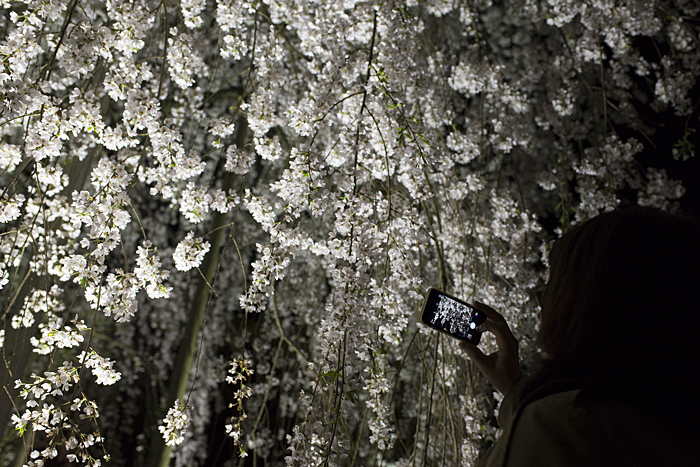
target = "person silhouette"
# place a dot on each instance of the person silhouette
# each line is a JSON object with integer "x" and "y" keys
{"x": 619, "y": 350}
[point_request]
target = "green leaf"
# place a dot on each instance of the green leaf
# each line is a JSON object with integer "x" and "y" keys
{"x": 331, "y": 375}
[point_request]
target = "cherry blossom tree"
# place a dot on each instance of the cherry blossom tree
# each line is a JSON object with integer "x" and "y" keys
{"x": 218, "y": 219}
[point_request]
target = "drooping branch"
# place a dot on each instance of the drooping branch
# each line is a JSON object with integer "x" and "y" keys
{"x": 159, "y": 455}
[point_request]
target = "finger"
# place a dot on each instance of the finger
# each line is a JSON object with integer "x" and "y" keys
{"x": 489, "y": 312}
{"x": 485, "y": 363}
{"x": 474, "y": 353}
{"x": 504, "y": 336}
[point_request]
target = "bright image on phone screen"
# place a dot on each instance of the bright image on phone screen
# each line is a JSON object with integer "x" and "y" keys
{"x": 454, "y": 317}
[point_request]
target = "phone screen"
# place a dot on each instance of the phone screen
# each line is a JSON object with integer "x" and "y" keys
{"x": 452, "y": 316}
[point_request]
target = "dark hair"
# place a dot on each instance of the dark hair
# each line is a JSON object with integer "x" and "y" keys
{"x": 622, "y": 310}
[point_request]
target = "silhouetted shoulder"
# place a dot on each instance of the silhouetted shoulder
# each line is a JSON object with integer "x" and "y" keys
{"x": 565, "y": 429}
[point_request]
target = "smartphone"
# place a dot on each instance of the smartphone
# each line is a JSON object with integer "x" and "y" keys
{"x": 452, "y": 316}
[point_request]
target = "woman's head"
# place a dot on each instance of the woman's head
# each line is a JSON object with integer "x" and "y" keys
{"x": 621, "y": 305}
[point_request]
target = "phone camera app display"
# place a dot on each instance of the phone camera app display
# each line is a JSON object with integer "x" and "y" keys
{"x": 454, "y": 317}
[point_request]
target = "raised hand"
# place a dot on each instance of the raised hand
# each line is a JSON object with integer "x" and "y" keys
{"x": 502, "y": 367}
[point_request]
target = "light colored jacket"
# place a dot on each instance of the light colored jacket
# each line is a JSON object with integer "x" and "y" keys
{"x": 555, "y": 427}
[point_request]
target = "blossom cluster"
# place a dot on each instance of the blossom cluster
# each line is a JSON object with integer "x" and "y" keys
{"x": 56, "y": 421}
{"x": 175, "y": 424}
{"x": 238, "y": 375}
